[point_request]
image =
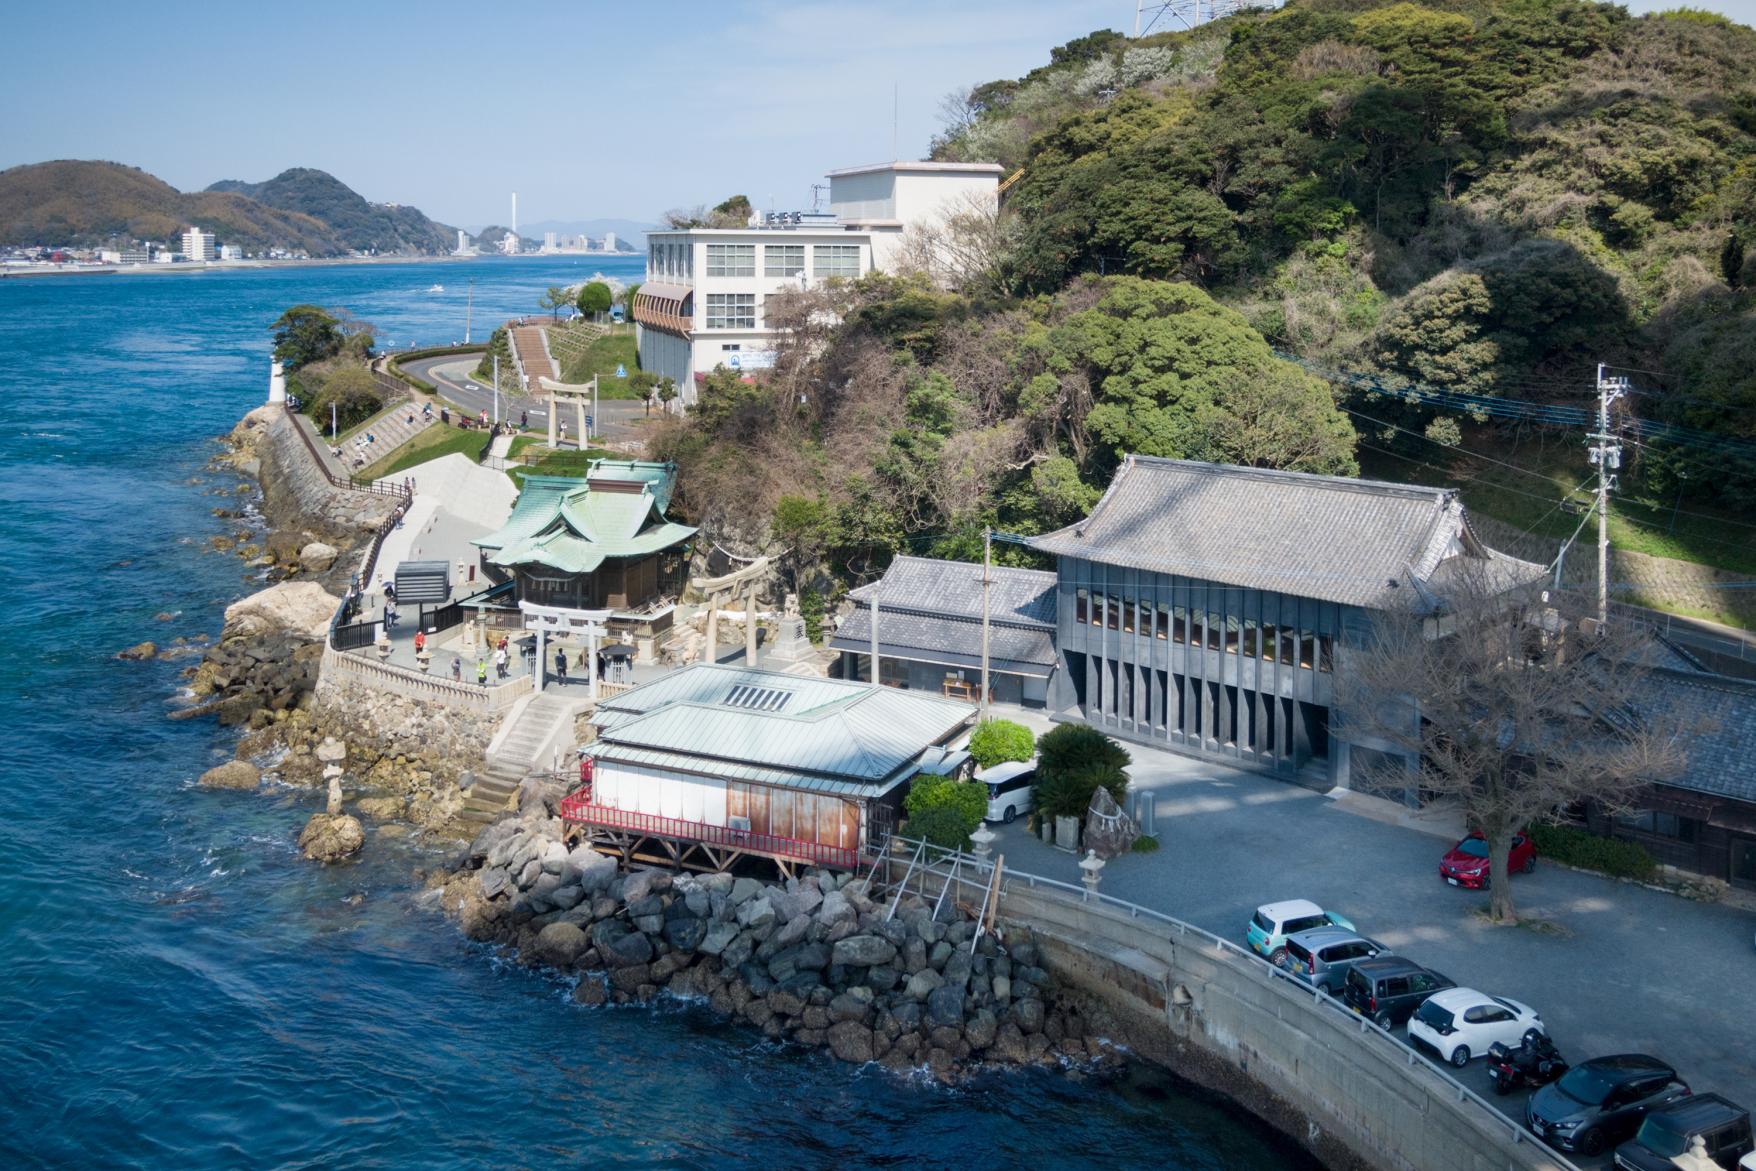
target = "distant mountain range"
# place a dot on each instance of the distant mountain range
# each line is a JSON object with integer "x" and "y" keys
{"x": 630, "y": 232}
{"x": 89, "y": 203}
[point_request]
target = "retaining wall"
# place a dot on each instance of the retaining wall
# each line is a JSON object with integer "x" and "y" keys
{"x": 297, "y": 492}
{"x": 1354, "y": 1096}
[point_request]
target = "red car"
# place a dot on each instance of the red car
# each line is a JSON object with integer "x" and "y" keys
{"x": 1467, "y": 863}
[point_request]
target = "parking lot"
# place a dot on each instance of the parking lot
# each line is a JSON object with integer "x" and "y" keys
{"x": 1616, "y": 968}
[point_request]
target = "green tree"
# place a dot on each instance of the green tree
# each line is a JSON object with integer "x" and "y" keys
{"x": 354, "y": 394}
{"x": 595, "y": 298}
{"x": 964, "y": 800}
{"x": 666, "y": 391}
{"x": 554, "y": 299}
{"x": 306, "y": 334}
{"x": 995, "y": 741}
{"x": 734, "y": 212}
{"x": 1072, "y": 761}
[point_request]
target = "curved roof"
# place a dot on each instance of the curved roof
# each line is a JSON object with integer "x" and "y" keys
{"x": 1357, "y": 542}
{"x": 573, "y": 526}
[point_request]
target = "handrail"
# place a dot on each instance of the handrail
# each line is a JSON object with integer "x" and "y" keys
{"x": 1224, "y": 947}
{"x": 578, "y": 806}
{"x": 398, "y": 490}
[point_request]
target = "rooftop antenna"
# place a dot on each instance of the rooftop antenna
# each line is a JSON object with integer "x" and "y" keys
{"x": 817, "y": 190}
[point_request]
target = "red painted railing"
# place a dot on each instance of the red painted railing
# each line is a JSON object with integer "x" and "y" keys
{"x": 577, "y": 807}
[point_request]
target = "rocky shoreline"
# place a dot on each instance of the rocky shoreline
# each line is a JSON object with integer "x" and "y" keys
{"x": 815, "y": 960}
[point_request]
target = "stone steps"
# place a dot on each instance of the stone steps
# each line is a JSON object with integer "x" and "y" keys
{"x": 514, "y": 758}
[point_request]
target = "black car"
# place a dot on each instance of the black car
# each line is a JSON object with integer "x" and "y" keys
{"x": 1723, "y": 1126}
{"x": 1601, "y": 1101}
{"x": 1389, "y": 989}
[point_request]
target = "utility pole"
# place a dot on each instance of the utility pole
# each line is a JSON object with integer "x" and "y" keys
{"x": 469, "y": 310}
{"x": 496, "y": 388}
{"x": 1605, "y": 454}
{"x": 987, "y": 580}
{"x": 875, "y": 634}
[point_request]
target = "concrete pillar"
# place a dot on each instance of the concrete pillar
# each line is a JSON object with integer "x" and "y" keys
{"x": 579, "y": 409}
{"x": 542, "y": 662}
{"x": 750, "y": 628}
{"x": 591, "y": 663}
{"x": 710, "y": 651}
{"x": 554, "y": 409}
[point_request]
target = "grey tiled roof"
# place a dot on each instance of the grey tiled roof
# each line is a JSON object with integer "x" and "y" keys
{"x": 954, "y": 588}
{"x": 930, "y": 611}
{"x": 1718, "y": 718}
{"x": 956, "y": 642}
{"x": 1328, "y": 537}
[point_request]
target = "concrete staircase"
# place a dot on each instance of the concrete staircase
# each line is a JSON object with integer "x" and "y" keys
{"x": 534, "y": 362}
{"x": 524, "y": 746}
{"x": 389, "y": 430}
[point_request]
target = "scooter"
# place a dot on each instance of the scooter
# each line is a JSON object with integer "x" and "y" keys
{"x": 1535, "y": 1062}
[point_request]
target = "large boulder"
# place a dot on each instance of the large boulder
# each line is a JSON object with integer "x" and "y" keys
{"x": 299, "y": 607}
{"x": 330, "y": 837}
{"x": 560, "y": 943}
{"x": 1108, "y": 831}
{"x": 851, "y": 1041}
{"x": 863, "y": 951}
{"x": 234, "y": 774}
{"x": 317, "y": 557}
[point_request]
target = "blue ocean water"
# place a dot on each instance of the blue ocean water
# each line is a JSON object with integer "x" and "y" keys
{"x": 180, "y": 990}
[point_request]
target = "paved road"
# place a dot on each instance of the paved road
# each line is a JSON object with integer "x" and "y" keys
{"x": 450, "y": 373}
{"x": 1635, "y": 971}
{"x": 1725, "y": 649}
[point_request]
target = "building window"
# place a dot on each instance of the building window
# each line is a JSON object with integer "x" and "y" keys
{"x": 1179, "y": 624}
{"x": 1097, "y": 609}
{"x": 835, "y": 260}
{"x": 783, "y": 260}
{"x": 731, "y": 310}
{"x": 1161, "y": 627}
{"x": 731, "y": 260}
{"x": 1128, "y": 615}
{"x": 1325, "y": 648}
{"x": 1082, "y": 607}
{"x": 1660, "y": 825}
{"x": 1113, "y": 608}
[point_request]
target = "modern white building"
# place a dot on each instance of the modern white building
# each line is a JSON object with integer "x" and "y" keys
{"x": 231, "y": 252}
{"x": 609, "y": 241}
{"x": 703, "y": 303}
{"x": 198, "y": 245}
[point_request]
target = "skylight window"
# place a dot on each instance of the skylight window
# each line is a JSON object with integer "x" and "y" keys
{"x": 760, "y": 699}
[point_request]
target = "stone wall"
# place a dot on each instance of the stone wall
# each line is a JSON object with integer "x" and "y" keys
{"x": 296, "y": 494}
{"x": 1660, "y": 582}
{"x": 1218, "y": 1017}
{"x": 379, "y": 725}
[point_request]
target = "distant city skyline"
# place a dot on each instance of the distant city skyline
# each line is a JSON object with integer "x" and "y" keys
{"x": 408, "y": 103}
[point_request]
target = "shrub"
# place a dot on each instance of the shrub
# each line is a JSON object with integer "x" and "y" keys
{"x": 353, "y": 392}
{"x": 941, "y": 825}
{"x": 969, "y": 801}
{"x": 811, "y": 610}
{"x": 1572, "y": 846}
{"x": 1144, "y": 844}
{"x": 996, "y": 741}
{"x": 1072, "y": 761}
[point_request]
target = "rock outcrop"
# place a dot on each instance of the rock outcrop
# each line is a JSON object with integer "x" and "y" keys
{"x": 293, "y": 607}
{"x": 813, "y": 960}
{"x": 234, "y": 774}
{"x": 330, "y": 837}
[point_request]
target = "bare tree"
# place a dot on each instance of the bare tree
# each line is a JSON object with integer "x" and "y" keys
{"x": 1517, "y": 706}
{"x": 966, "y": 252}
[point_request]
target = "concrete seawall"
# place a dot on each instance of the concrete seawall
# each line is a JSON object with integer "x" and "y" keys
{"x": 296, "y": 492}
{"x": 1355, "y": 1098}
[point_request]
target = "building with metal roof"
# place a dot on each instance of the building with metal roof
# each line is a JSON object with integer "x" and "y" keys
{"x": 806, "y": 768}
{"x": 598, "y": 543}
{"x": 1208, "y": 607}
{"x": 930, "y": 630}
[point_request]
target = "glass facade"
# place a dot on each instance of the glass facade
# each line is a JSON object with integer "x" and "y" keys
{"x": 731, "y": 311}
{"x": 731, "y": 260}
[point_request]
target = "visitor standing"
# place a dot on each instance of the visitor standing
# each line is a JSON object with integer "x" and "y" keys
{"x": 457, "y": 670}
{"x": 420, "y": 641}
{"x": 561, "y": 664}
{"x": 482, "y": 671}
{"x": 500, "y": 662}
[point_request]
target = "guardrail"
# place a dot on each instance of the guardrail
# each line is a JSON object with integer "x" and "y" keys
{"x": 951, "y": 867}
{"x": 423, "y": 686}
{"x": 298, "y": 423}
{"x": 578, "y": 807}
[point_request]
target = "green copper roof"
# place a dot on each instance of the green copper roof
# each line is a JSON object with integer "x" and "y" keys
{"x": 565, "y": 524}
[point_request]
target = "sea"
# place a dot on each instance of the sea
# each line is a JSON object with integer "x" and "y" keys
{"x": 180, "y": 990}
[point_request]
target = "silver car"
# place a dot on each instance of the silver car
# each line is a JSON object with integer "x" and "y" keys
{"x": 1322, "y": 956}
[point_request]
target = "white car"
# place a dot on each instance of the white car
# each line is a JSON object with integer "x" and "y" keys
{"x": 1009, "y": 792}
{"x": 1460, "y": 1023}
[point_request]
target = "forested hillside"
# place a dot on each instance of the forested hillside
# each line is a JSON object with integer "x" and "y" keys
{"x": 1464, "y": 196}
{"x": 90, "y": 203}
{"x": 362, "y": 226}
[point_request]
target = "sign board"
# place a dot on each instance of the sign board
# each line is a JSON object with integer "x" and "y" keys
{"x": 589, "y": 422}
{"x": 621, "y": 370}
{"x": 750, "y": 359}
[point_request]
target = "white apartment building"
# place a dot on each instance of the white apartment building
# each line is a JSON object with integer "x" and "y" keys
{"x": 609, "y": 241}
{"x": 198, "y": 245}
{"x": 231, "y": 252}
{"x": 703, "y": 302}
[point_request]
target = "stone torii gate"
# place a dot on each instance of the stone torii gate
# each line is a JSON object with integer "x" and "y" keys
{"x": 581, "y": 395}
{"x": 725, "y": 587}
{"x": 561, "y": 620}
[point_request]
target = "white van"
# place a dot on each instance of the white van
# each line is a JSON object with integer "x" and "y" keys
{"x": 1008, "y": 788}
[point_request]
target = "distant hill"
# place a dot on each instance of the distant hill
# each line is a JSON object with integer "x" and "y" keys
{"x": 90, "y": 203}
{"x": 362, "y": 226}
{"x": 72, "y": 201}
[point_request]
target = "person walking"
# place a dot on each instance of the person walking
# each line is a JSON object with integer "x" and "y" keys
{"x": 500, "y": 662}
{"x": 523, "y": 420}
{"x": 482, "y": 671}
{"x": 561, "y": 664}
{"x": 420, "y": 641}
{"x": 457, "y": 670}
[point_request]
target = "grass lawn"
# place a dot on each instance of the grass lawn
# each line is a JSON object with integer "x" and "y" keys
{"x": 437, "y": 440}
{"x": 565, "y": 462}
{"x": 601, "y": 359}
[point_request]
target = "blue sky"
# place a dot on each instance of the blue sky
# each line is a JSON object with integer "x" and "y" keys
{"x": 586, "y": 109}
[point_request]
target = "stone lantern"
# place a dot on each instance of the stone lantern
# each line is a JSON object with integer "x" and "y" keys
{"x": 983, "y": 840}
{"x": 1093, "y": 867}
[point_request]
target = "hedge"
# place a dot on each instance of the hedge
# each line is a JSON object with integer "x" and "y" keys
{"x": 1572, "y": 846}
{"x": 967, "y": 800}
{"x": 996, "y": 741}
